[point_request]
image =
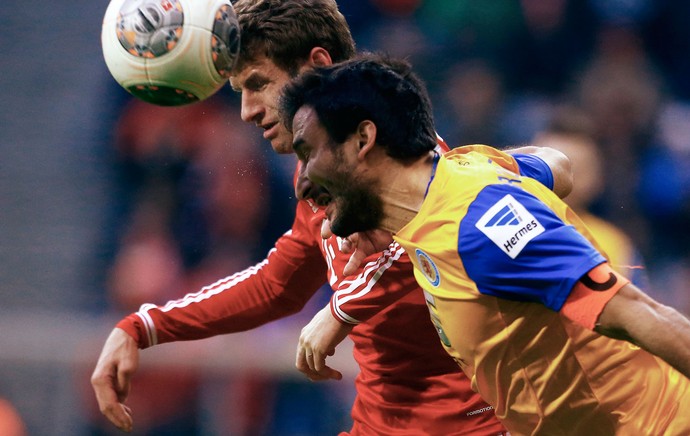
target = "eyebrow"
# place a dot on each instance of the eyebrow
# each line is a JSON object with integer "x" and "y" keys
{"x": 252, "y": 79}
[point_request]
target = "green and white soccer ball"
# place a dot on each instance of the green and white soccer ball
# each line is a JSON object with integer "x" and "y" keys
{"x": 170, "y": 52}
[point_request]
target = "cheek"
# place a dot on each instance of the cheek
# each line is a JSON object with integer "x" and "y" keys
{"x": 271, "y": 97}
{"x": 321, "y": 176}
{"x": 284, "y": 134}
{"x": 327, "y": 169}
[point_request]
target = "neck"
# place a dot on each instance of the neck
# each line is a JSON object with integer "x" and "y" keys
{"x": 403, "y": 193}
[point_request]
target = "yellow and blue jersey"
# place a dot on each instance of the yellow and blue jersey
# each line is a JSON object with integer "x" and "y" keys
{"x": 498, "y": 255}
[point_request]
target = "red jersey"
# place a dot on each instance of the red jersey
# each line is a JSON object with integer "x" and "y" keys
{"x": 407, "y": 383}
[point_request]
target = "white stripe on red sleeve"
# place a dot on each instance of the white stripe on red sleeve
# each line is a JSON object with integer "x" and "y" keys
{"x": 353, "y": 289}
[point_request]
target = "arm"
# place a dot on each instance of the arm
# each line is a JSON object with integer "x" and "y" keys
{"x": 385, "y": 279}
{"x": 561, "y": 269}
{"x": 276, "y": 287}
{"x": 558, "y": 163}
{"x": 634, "y": 316}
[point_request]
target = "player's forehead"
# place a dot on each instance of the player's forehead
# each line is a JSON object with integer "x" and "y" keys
{"x": 304, "y": 122}
{"x": 259, "y": 68}
{"x": 307, "y": 128}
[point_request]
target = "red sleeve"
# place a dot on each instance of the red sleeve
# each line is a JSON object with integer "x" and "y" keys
{"x": 274, "y": 288}
{"x": 382, "y": 281}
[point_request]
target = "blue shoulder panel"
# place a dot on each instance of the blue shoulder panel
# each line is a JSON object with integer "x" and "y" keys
{"x": 535, "y": 167}
{"x": 514, "y": 246}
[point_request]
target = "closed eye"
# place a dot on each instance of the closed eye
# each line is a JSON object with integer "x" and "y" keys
{"x": 300, "y": 149}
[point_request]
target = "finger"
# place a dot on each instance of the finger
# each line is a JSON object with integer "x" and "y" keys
{"x": 335, "y": 374}
{"x": 347, "y": 246}
{"x": 121, "y": 417}
{"x": 301, "y": 361}
{"x": 316, "y": 377}
{"x": 309, "y": 355}
{"x": 328, "y": 373}
{"x": 324, "y": 371}
{"x": 319, "y": 362}
{"x": 119, "y": 414}
{"x": 303, "y": 367}
{"x": 350, "y": 244}
{"x": 326, "y": 229}
{"x": 354, "y": 262}
{"x": 123, "y": 384}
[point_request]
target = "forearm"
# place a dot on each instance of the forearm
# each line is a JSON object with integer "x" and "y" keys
{"x": 237, "y": 303}
{"x": 654, "y": 327}
{"x": 277, "y": 287}
{"x": 235, "y": 309}
{"x": 673, "y": 345}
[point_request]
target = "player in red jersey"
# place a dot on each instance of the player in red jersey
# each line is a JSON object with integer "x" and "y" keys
{"x": 407, "y": 383}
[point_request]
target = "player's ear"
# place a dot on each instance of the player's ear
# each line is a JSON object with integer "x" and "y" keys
{"x": 320, "y": 57}
{"x": 366, "y": 138}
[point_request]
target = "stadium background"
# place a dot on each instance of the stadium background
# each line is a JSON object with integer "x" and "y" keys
{"x": 89, "y": 199}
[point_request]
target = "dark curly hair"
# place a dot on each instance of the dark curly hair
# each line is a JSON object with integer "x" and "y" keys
{"x": 369, "y": 87}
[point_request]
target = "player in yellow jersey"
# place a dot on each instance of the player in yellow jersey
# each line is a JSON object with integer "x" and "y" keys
{"x": 517, "y": 288}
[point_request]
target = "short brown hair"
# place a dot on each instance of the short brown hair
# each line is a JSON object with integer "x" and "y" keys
{"x": 285, "y": 31}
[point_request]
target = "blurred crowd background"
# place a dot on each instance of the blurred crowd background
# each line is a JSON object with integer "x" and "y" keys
{"x": 107, "y": 202}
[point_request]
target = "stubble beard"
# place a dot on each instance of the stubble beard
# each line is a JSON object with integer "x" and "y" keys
{"x": 358, "y": 210}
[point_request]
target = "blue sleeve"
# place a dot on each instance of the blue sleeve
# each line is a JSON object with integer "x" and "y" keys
{"x": 515, "y": 247}
{"x": 535, "y": 167}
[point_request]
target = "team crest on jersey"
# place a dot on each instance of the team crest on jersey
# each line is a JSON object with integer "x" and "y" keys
{"x": 428, "y": 267}
{"x": 509, "y": 225}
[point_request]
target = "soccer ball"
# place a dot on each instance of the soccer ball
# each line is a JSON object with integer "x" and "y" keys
{"x": 170, "y": 52}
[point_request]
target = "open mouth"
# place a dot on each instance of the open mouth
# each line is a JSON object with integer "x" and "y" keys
{"x": 330, "y": 209}
{"x": 318, "y": 194}
{"x": 323, "y": 197}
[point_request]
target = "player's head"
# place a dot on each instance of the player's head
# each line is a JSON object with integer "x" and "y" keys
{"x": 279, "y": 39}
{"x": 369, "y": 87}
{"x": 286, "y": 31}
{"x": 344, "y": 118}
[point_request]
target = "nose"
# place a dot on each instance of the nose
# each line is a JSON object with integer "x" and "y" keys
{"x": 305, "y": 189}
{"x": 303, "y": 186}
{"x": 251, "y": 109}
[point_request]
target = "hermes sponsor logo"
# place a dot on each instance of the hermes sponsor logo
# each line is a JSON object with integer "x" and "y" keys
{"x": 509, "y": 225}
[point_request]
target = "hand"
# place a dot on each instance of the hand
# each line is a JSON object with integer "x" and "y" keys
{"x": 318, "y": 340}
{"x": 119, "y": 360}
{"x": 360, "y": 245}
